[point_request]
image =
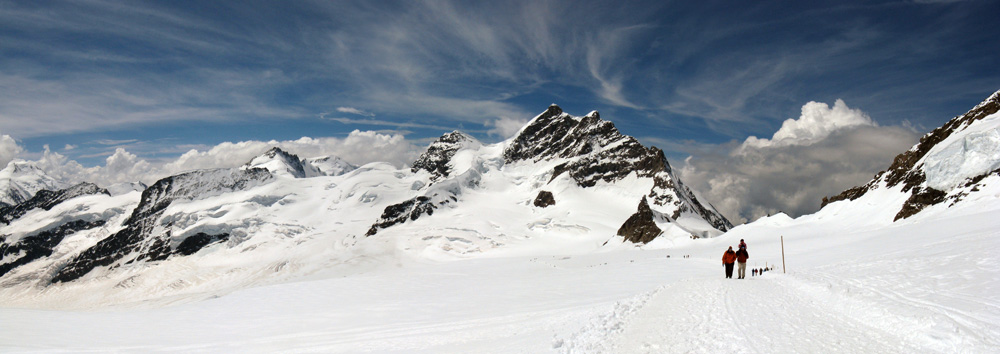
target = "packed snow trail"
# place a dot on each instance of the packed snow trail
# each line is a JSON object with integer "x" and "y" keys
{"x": 753, "y": 315}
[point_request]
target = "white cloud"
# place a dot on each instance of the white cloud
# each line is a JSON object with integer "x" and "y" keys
{"x": 359, "y": 148}
{"x": 505, "y": 127}
{"x": 123, "y": 166}
{"x": 821, "y": 154}
{"x": 9, "y": 149}
{"x": 115, "y": 142}
{"x": 817, "y": 121}
{"x": 69, "y": 147}
{"x": 353, "y": 110}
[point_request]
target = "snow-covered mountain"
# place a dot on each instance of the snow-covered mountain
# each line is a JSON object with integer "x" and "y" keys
{"x": 20, "y": 180}
{"x": 282, "y": 163}
{"x": 562, "y": 180}
{"x": 948, "y": 165}
{"x": 330, "y": 165}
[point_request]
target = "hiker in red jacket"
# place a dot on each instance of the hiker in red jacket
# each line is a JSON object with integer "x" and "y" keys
{"x": 741, "y": 257}
{"x": 727, "y": 260}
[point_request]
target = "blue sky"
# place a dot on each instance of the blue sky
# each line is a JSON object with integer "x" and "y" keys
{"x": 159, "y": 78}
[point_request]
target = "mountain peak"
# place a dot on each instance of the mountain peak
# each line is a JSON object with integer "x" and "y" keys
{"x": 592, "y": 150}
{"x": 280, "y": 162}
{"x": 436, "y": 159}
{"x": 553, "y": 110}
{"x": 276, "y": 151}
{"x": 21, "y": 179}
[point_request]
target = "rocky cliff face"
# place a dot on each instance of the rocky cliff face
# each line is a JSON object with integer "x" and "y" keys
{"x": 910, "y": 169}
{"x": 30, "y": 248}
{"x": 640, "y": 227}
{"x": 438, "y": 155}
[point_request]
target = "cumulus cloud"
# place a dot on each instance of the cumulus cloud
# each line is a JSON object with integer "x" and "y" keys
{"x": 824, "y": 152}
{"x": 358, "y": 147}
{"x": 9, "y": 149}
{"x": 123, "y": 166}
{"x": 817, "y": 121}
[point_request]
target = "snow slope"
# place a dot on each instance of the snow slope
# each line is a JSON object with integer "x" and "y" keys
{"x": 926, "y": 284}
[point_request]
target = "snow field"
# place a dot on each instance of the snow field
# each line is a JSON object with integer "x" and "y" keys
{"x": 927, "y": 285}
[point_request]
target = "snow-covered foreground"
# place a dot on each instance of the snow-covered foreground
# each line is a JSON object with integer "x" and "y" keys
{"x": 926, "y": 284}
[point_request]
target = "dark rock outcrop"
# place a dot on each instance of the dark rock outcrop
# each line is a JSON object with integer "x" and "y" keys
{"x": 46, "y": 199}
{"x": 194, "y": 243}
{"x": 438, "y": 155}
{"x": 544, "y": 199}
{"x": 399, "y": 213}
{"x": 640, "y": 227}
{"x": 921, "y": 198}
{"x": 136, "y": 237}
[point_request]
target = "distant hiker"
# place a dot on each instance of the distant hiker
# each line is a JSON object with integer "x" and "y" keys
{"x": 743, "y": 244}
{"x": 741, "y": 257}
{"x": 728, "y": 259}
{"x": 754, "y": 272}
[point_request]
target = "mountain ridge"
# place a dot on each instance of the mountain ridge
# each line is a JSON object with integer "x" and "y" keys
{"x": 909, "y": 169}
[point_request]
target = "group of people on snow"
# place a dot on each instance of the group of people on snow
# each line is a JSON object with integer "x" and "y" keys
{"x": 760, "y": 271}
{"x": 731, "y": 257}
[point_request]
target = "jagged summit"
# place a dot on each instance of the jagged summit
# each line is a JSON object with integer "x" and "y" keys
{"x": 946, "y": 164}
{"x": 439, "y": 153}
{"x": 593, "y": 150}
